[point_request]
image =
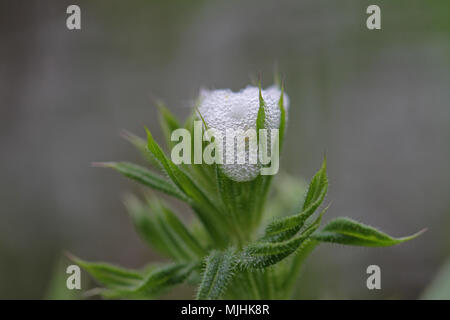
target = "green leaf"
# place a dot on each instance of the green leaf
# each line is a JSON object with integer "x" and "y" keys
{"x": 318, "y": 187}
{"x": 183, "y": 235}
{"x": 177, "y": 247}
{"x": 227, "y": 192}
{"x": 163, "y": 230}
{"x": 141, "y": 145}
{"x": 201, "y": 117}
{"x": 217, "y": 274}
{"x": 147, "y": 227}
{"x": 144, "y": 176}
{"x": 261, "y": 118}
{"x": 203, "y": 206}
{"x": 263, "y": 253}
{"x": 108, "y": 275}
{"x": 155, "y": 283}
{"x": 224, "y": 185}
{"x": 350, "y": 232}
{"x": 181, "y": 179}
{"x": 168, "y": 122}
{"x": 284, "y": 228}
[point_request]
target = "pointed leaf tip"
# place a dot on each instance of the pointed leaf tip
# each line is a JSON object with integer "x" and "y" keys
{"x": 126, "y": 134}
{"x": 413, "y": 236}
{"x": 350, "y": 232}
{"x": 149, "y": 134}
{"x": 103, "y": 164}
{"x": 201, "y": 117}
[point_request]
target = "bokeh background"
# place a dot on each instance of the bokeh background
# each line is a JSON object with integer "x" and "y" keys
{"x": 377, "y": 102}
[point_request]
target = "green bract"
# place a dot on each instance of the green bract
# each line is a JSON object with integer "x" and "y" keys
{"x": 236, "y": 246}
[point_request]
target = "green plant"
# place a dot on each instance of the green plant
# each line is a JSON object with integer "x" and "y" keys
{"x": 236, "y": 246}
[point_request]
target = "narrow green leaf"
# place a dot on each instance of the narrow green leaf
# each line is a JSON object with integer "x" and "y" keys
{"x": 168, "y": 122}
{"x": 218, "y": 272}
{"x": 148, "y": 228}
{"x": 350, "y": 232}
{"x": 262, "y": 187}
{"x": 224, "y": 187}
{"x": 182, "y": 233}
{"x": 203, "y": 206}
{"x": 262, "y": 184}
{"x": 189, "y": 125}
{"x": 141, "y": 145}
{"x": 161, "y": 228}
{"x": 155, "y": 283}
{"x": 181, "y": 179}
{"x": 201, "y": 117}
{"x": 227, "y": 194}
{"x": 318, "y": 187}
{"x": 108, "y": 275}
{"x": 144, "y": 176}
{"x": 284, "y": 228}
{"x": 255, "y": 201}
{"x": 178, "y": 247}
{"x": 261, "y": 118}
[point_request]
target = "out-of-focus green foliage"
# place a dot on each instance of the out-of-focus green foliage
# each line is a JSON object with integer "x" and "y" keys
{"x": 439, "y": 289}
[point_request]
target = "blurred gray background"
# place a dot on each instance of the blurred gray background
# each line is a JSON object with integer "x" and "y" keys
{"x": 377, "y": 102}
